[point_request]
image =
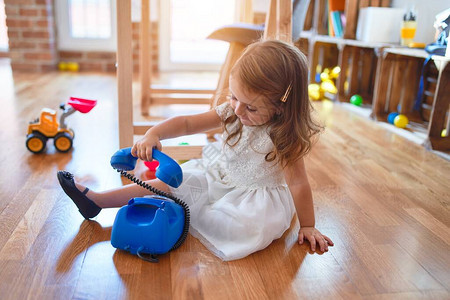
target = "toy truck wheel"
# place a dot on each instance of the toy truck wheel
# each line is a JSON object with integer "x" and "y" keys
{"x": 36, "y": 142}
{"x": 63, "y": 142}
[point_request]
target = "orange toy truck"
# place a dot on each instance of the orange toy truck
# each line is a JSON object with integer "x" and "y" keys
{"x": 47, "y": 126}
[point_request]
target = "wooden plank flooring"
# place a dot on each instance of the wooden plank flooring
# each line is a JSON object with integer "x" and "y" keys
{"x": 382, "y": 199}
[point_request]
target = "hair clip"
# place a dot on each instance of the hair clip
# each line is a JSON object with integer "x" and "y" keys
{"x": 286, "y": 94}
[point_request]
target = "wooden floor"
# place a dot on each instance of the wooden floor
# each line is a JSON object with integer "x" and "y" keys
{"x": 382, "y": 199}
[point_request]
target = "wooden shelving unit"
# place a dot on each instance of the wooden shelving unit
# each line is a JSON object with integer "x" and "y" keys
{"x": 358, "y": 60}
{"x": 397, "y": 85}
{"x": 385, "y": 75}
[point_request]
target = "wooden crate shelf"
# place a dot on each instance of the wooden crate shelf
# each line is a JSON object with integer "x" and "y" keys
{"x": 397, "y": 82}
{"x": 397, "y": 86}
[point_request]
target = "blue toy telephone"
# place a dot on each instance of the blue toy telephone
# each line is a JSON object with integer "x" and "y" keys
{"x": 154, "y": 224}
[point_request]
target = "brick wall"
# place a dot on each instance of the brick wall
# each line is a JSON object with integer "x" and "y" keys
{"x": 31, "y": 35}
{"x": 105, "y": 61}
{"x": 90, "y": 61}
{"x": 32, "y": 41}
{"x": 154, "y": 43}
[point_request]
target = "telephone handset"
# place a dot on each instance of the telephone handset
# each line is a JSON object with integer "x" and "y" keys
{"x": 153, "y": 225}
{"x": 168, "y": 171}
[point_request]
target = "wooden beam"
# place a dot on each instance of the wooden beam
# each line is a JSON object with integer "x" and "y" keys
{"x": 343, "y": 61}
{"x": 284, "y": 18}
{"x": 381, "y": 85}
{"x": 145, "y": 65}
{"x": 270, "y": 31}
{"x": 246, "y": 11}
{"x": 176, "y": 99}
{"x": 440, "y": 109}
{"x": 184, "y": 152}
{"x": 140, "y": 128}
{"x": 124, "y": 73}
{"x": 351, "y": 12}
{"x": 160, "y": 90}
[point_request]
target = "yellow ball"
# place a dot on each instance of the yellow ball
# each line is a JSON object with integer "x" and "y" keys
{"x": 325, "y": 75}
{"x": 62, "y": 66}
{"x": 334, "y": 74}
{"x": 314, "y": 91}
{"x": 444, "y": 133}
{"x": 73, "y": 66}
{"x": 401, "y": 121}
{"x": 329, "y": 87}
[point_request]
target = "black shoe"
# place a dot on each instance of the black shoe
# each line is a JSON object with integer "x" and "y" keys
{"x": 86, "y": 206}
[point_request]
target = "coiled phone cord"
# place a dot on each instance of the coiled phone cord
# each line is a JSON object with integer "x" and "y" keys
{"x": 185, "y": 207}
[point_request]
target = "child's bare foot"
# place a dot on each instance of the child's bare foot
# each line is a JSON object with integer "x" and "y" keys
{"x": 78, "y": 194}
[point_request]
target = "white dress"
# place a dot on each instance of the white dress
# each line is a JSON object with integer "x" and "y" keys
{"x": 239, "y": 203}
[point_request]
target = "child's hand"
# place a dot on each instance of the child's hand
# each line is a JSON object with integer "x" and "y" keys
{"x": 314, "y": 237}
{"x": 144, "y": 147}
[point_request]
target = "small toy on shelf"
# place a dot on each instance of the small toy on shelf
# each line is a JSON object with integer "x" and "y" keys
{"x": 334, "y": 74}
{"x": 73, "y": 66}
{"x": 329, "y": 87}
{"x": 62, "y": 66}
{"x": 409, "y": 26}
{"x": 391, "y": 117}
{"x": 68, "y": 66}
{"x": 356, "y": 100}
{"x": 46, "y": 126}
{"x": 326, "y": 86}
{"x": 417, "y": 45}
{"x": 401, "y": 121}
{"x": 315, "y": 92}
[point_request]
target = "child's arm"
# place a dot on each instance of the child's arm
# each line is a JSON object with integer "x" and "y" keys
{"x": 174, "y": 127}
{"x": 297, "y": 181}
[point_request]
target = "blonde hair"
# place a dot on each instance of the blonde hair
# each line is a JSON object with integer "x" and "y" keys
{"x": 278, "y": 71}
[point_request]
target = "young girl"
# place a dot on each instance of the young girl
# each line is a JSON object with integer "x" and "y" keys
{"x": 244, "y": 191}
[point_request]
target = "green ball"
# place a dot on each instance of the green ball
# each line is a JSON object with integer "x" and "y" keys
{"x": 356, "y": 100}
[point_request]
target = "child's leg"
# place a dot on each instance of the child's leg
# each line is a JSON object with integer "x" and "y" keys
{"x": 120, "y": 196}
{"x": 90, "y": 203}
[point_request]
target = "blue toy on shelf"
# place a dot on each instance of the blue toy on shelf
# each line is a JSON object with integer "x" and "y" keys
{"x": 153, "y": 224}
{"x": 391, "y": 117}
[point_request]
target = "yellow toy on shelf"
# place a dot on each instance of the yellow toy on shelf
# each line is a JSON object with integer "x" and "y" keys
{"x": 326, "y": 89}
{"x": 68, "y": 66}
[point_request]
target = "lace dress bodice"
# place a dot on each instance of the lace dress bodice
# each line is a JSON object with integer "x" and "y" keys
{"x": 244, "y": 165}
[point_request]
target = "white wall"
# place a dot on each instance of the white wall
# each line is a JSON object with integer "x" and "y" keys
{"x": 426, "y": 13}
{"x": 260, "y": 5}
